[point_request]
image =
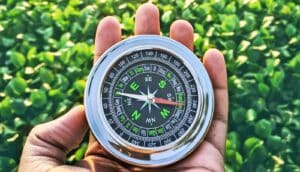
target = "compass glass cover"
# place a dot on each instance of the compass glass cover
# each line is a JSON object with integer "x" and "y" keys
{"x": 149, "y": 98}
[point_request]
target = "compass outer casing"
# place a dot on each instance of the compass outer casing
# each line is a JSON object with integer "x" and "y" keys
{"x": 142, "y": 156}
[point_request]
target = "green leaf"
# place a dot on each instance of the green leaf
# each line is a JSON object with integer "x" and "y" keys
{"x": 47, "y": 57}
{"x": 46, "y": 46}
{"x": 250, "y": 21}
{"x": 234, "y": 141}
{"x": 290, "y": 30}
{"x": 277, "y": 78}
{"x": 294, "y": 63}
{"x": 16, "y": 86}
{"x": 234, "y": 157}
{"x": 251, "y": 115}
{"x": 4, "y": 70}
{"x": 79, "y": 154}
{"x": 229, "y": 23}
{"x": 239, "y": 115}
{"x": 64, "y": 39}
{"x": 231, "y": 7}
{"x": 42, "y": 117}
{"x": 263, "y": 89}
{"x": 62, "y": 82}
{"x": 219, "y": 5}
{"x": 7, "y": 163}
{"x": 46, "y": 75}
{"x": 18, "y": 106}
{"x": 56, "y": 94}
{"x": 287, "y": 134}
{"x": 252, "y": 143}
{"x": 7, "y": 42}
{"x": 199, "y": 29}
{"x": 5, "y": 108}
{"x": 263, "y": 128}
{"x": 31, "y": 54}
{"x": 167, "y": 17}
{"x": 79, "y": 86}
{"x": 274, "y": 142}
{"x": 17, "y": 59}
{"x": 19, "y": 123}
{"x": 38, "y": 98}
{"x": 255, "y": 5}
{"x": 298, "y": 144}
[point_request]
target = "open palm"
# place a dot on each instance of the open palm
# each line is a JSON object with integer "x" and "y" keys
{"x": 48, "y": 144}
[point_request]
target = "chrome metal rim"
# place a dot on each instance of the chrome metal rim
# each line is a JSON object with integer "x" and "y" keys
{"x": 145, "y": 157}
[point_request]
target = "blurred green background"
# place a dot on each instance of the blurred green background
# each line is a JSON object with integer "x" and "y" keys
{"x": 46, "y": 54}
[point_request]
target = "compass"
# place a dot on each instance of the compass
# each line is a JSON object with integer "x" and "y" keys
{"x": 149, "y": 101}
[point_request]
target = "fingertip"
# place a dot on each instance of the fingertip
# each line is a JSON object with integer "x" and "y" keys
{"x": 147, "y": 7}
{"x": 213, "y": 53}
{"x": 79, "y": 108}
{"x": 215, "y": 65}
{"x": 183, "y": 25}
{"x": 108, "y": 33}
{"x": 109, "y": 21}
{"x": 183, "y": 32}
{"x": 147, "y": 20}
{"x": 76, "y": 115}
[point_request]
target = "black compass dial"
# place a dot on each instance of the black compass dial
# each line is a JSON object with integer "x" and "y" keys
{"x": 149, "y": 98}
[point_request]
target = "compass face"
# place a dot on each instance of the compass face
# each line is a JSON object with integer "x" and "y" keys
{"x": 149, "y": 98}
{"x": 149, "y": 101}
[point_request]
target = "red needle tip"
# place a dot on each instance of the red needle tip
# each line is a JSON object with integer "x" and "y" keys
{"x": 166, "y": 102}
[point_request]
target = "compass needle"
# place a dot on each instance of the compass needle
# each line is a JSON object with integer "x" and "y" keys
{"x": 150, "y": 97}
{"x": 134, "y": 96}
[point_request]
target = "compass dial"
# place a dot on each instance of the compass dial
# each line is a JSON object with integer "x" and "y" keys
{"x": 149, "y": 98}
{"x": 149, "y": 101}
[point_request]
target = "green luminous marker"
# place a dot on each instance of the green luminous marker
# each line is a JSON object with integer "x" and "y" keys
{"x": 135, "y": 129}
{"x": 164, "y": 113}
{"x": 169, "y": 75}
{"x": 127, "y": 125}
{"x": 139, "y": 69}
{"x": 162, "y": 83}
{"x": 160, "y": 131}
{"x": 120, "y": 85}
{"x": 122, "y": 118}
{"x": 136, "y": 115}
{"x": 131, "y": 73}
{"x": 180, "y": 97}
{"x": 134, "y": 86}
{"x": 152, "y": 133}
{"x": 117, "y": 93}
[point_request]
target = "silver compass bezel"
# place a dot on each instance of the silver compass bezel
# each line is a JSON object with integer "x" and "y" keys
{"x": 142, "y": 156}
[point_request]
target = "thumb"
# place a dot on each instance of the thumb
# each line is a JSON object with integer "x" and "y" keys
{"x": 48, "y": 143}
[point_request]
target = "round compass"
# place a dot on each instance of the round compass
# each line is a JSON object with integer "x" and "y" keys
{"x": 149, "y": 101}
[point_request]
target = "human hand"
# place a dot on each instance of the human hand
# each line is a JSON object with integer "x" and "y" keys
{"x": 47, "y": 144}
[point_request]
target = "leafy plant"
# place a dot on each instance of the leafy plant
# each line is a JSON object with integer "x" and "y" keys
{"x": 46, "y": 54}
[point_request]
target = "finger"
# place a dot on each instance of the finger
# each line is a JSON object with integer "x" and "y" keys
{"x": 210, "y": 153}
{"x": 100, "y": 163}
{"x": 183, "y": 32}
{"x": 95, "y": 149}
{"x": 108, "y": 33}
{"x": 205, "y": 158}
{"x": 48, "y": 143}
{"x": 147, "y": 20}
{"x": 96, "y": 157}
{"x": 215, "y": 65}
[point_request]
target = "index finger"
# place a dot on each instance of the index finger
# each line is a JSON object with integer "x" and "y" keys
{"x": 215, "y": 65}
{"x": 108, "y": 33}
